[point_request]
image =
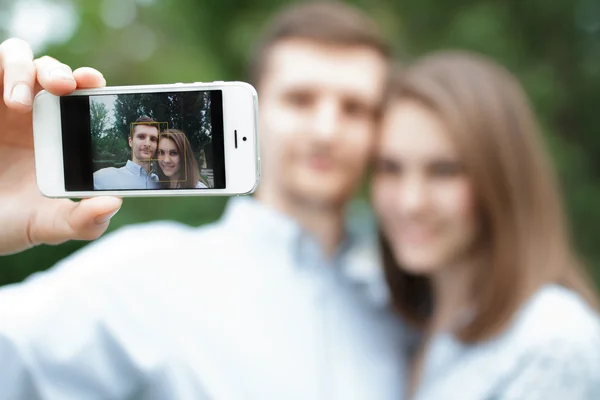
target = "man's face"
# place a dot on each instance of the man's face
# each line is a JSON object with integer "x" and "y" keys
{"x": 318, "y": 109}
{"x": 143, "y": 143}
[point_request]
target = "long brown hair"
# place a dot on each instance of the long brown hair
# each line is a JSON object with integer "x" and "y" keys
{"x": 525, "y": 237}
{"x": 190, "y": 169}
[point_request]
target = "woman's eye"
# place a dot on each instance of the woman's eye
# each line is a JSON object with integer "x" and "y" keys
{"x": 387, "y": 167}
{"x": 173, "y": 154}
{"x": 446, "y": 169}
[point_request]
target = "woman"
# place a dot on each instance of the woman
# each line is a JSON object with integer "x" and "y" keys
{"x": 178, "y": 166}
{"x": 475, "y": 245}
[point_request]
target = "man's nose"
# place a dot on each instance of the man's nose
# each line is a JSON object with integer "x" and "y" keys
{"x": 327, "y": 119}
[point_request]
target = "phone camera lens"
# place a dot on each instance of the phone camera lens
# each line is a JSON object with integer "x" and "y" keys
{"x": 244, "y": 138}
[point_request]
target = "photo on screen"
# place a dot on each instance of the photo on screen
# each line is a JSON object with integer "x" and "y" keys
{"x": 152, "y": 141}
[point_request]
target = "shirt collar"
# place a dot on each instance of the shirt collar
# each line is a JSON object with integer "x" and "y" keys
{"x": 135, "y": 168}
{"x": 357, "y": 258}
{"x": 250, "y": 215}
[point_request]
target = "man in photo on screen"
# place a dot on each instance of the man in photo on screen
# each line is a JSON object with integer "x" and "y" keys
{"x": 136, "y": 174}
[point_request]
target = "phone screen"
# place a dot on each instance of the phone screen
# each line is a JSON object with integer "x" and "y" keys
{"x": 143, "y": 141}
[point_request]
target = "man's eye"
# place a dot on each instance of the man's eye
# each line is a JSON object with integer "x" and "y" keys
{"x": 299, "y": 99}
{"x": 355, "y": 109}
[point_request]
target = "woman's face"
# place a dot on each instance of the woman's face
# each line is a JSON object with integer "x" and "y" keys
{"x": 422, "y": 196}
{"x": 168, "y": 157}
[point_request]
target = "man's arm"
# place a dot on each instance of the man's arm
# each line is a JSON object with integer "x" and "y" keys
{"x": 63, "y": 333}
{"x": 26, "y": 217}
{"x": 101, "y": 180}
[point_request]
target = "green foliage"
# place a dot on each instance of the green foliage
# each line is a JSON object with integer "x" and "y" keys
{"x": 98, "y": 119}
{"x": 552, "y": 46}
{"x": 109, "y": 148}
{"x": 188, "y": 112}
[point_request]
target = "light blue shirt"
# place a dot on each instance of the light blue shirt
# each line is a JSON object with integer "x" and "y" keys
{"x": 551, "y": 351}
{"x": 131, "y": 176}
{"x": 246, "y": 308}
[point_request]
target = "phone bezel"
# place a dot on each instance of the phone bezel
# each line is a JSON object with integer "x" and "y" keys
{"x": 240, "y": 113}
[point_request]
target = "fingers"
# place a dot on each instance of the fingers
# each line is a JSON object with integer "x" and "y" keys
{"x": 85, "y": 220}
{"x": 54, "y": 76}
{"x": 18, "y": 74}
{"x": 88, "y": 78}
{"x": 89, "y": 218}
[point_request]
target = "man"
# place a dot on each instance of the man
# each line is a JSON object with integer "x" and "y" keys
{"x": 260, "y": 305}
{"x": 136, "y": 174}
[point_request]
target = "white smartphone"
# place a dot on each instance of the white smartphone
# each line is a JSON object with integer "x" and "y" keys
{"x": 183, "y": 139}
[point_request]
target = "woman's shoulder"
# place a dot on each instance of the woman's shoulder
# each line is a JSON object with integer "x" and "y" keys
{"x": 552, "y": 348}
{"x": 555, "y": 337}
{"x": 556, "y": 315}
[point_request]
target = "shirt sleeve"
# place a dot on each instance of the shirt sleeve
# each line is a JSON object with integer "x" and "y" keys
{"x": 97, "y": 178}
{"x": 100, "y": 178}
{"x": 60, "y": 336}
{"x": 557, "y": 372}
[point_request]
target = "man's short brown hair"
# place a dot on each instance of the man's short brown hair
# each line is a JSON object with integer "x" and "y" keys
{"x": 327, "y": 22}
{"x": 144, "y": 120}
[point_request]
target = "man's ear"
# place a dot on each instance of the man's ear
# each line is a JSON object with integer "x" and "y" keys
{"x": 130, "y": 142}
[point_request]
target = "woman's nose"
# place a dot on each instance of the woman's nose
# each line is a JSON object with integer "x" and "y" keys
{"x": 412, "y": 195}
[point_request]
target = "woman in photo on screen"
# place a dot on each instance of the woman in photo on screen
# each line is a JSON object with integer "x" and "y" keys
{"x": 475, "y": 243}
{"x": 177, "y": 165}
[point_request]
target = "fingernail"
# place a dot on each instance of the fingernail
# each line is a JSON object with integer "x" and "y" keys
{"x": 61, "y": 74}
{"x": 103, "y": 78}
{"x": 21, "y": 94}
{"x": 104, "y": 218}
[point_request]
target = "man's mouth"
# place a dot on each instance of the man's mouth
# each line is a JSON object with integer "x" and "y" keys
{"x": 320, "y": 163}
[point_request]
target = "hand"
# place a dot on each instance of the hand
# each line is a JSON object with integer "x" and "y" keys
{"x": 26, "y": 217}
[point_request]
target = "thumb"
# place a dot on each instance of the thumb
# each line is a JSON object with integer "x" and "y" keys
{"x": 84, "y": 220}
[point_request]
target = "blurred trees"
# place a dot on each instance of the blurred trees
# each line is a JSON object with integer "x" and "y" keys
{"x": 188, "y": 112}
{"x": 553, "y": 47}
{"x": 98, "y": 119}
{"x": 109, "y": 149}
